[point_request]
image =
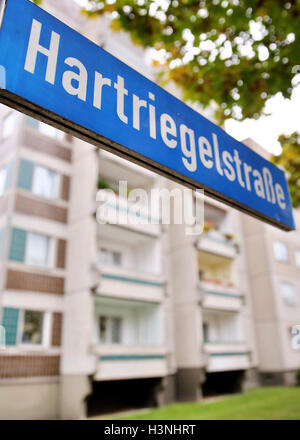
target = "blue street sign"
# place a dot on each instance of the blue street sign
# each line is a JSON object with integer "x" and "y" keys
{"x": 55, "y": 74}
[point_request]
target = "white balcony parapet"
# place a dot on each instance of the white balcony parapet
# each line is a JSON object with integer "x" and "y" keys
{"x": 123, "y": 283}
{"x": 215, "y": 242}
{"x": 216, "y": 295}
{"x": 109, "y": 157}
{"x": 222, "y": 347}
{"x": 118, "y": 211}
{"x": 226, "y": 356}
{"x": 120, "y": 350}
{"x": 128, "y": 362}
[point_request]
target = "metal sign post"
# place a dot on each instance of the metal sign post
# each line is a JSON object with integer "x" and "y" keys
{"x": 51, "y": 72}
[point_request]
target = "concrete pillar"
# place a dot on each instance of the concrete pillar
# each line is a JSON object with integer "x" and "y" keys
{"x": 251, "y": 379}
{"x": 74, "y": 390}
{"x": 165, "y": 391}
{"x": 187, "y": 315}
{"x": 189, "y": 383}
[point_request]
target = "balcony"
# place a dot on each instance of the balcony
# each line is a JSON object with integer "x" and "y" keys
{"x": 128, "y": 265}
{"x": 113, "y": 166}
{"x": 118, "y": 282}
{"x": 130, "y": 362}
{"x": 116, "y": 210}
{"x": 215, "y": 242}
{"x": 223, "y": 335}
{"x": 128, "y": 339}
{"x": 226, "y": 356}
{"x": 217, "y": 295}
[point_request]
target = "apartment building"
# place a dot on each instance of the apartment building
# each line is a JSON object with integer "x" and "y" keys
{"x": 100, "y": 315}
{"x": 82, "y": 304}
{"x": 35, "y": 180}
{"x": 274, "y": 267}
{"x": 106, "y": 316}
{"x": 214, "y": 333}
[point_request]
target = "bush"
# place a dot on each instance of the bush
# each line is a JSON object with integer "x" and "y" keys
{"x": 298, "y": 377}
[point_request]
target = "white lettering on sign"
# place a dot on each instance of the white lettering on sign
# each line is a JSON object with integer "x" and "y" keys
{"x": 100, "y": 82}
{"x": 81, "y": 79}
{"x": 34, "y": 47}
{"x": 194, "y": 150}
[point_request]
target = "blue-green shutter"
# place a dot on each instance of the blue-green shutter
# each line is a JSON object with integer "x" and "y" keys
{"x": 31, "y": 122}
{"x": 25, "y": 174}
{"x": 17, "y": 245}
{"x": 10, "y": 318}
{"x": 9, "y": 174}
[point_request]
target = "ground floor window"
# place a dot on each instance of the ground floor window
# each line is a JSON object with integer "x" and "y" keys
{"x": 32, "y": 327}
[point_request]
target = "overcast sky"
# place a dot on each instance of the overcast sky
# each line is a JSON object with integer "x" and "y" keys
{"x": 284, "y": 118}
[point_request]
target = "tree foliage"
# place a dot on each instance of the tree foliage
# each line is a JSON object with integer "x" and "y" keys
{"x": 237, "y": 53}
{"x": 290, "y": 161}
{"x": 234, "y": 53}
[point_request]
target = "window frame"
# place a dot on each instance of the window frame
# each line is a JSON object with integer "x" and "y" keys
{"x": 285, "y": 300}
{"x": 3, "y": 169}
{"x": 58, "y": 135}
{"x": 113, "y": 253}
{"x": 8, "y": 115}
{"x": 45, "y": 330}
{"x": 37, "y": 125}
{"x": 51, "y": 251}
{"x": 109, "y": 340}
{"x": 297, "y": 259}
{"x": 277, "y": 256}
{"x": 57, "y": 182}
{"x": 205, "y": 332}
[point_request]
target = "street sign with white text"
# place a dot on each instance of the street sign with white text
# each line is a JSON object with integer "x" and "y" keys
{"x": 53, "y": 73}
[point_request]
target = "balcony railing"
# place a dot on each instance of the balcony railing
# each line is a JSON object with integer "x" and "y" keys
{"x": 226, "y": 355}
{"x": 215, "y": 294}
{"x": 117, "y": 210}
{"x": 127, "y": 362}
{"x": 216, "y": 242}
{"x": 119, "y": 282}
{"x": 118, "y": 351}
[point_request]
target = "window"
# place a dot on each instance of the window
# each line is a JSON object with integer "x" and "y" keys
{"x": 3, "y": 173}
{"x": 37, "y": 250}
{"x": 9, "y": 125}
{"x": 107, "y": 256}
{"x": 297, "y": 257}
{"x": 32, "y": 328}
{"x": 288, "y": 294}
{"x": 116, "y": 324}
{"x": 110, "y": 330}
{"x": 205, "y": 332}
{"x": 45, "y": 182}
{"x": 51, "y": 132}
{"x": 201, "y": 274}
{"x": 294, "y": 335}
{"x": 45, "y": 129}
{"x": 281, "y": 251}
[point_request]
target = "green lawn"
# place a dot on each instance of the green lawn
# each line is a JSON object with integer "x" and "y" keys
{"x": 278, "y": 403}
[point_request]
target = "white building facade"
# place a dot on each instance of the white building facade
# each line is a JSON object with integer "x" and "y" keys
{"x": 106, "y": 316}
